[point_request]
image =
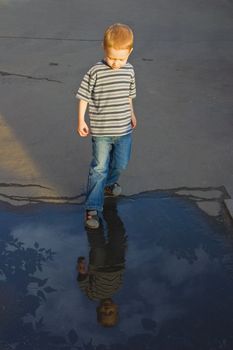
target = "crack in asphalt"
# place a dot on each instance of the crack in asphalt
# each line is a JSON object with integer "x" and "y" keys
{"x": 28, "y": 77}
{"x": 175, "y": 191}
{"x": 40, "y": 199}
{"x": 47, "y": 38}
{"x": 171, "y": 192}
{"x": 99, "y": 40}
{"x": 3, "y": 184}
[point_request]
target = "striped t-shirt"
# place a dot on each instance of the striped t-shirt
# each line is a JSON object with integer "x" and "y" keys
{"x": 107, "y": 92}
{"x": 102, "y": 284}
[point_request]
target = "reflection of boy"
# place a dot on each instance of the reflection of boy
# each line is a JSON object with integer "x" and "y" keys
{"x": 103, "y": 276}
{"x": 100, "y": 285}
{"x": 108, "y": 89}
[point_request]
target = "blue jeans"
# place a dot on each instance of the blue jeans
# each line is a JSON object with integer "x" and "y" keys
{"x": 110, "y": 156}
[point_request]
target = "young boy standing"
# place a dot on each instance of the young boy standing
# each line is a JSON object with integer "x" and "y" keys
{"x": 108, "y": 88}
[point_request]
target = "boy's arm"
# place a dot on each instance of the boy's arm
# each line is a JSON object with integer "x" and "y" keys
{"x": 82, "y": 129}
{"x": 133, "y": 117}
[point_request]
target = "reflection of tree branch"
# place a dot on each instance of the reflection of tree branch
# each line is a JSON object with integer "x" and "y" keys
{"x": 18, "y": 264}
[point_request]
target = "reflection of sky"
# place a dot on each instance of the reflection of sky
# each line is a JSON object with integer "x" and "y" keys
{"x": 171, "y": 246}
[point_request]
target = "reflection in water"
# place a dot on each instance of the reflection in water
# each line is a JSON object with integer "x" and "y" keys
{"x": 18, "y": 298}
{"x": 177, "y": 290}
{"x": 103, "y": 276}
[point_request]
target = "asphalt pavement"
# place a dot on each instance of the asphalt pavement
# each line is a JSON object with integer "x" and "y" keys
{"x": 183, "y": 56}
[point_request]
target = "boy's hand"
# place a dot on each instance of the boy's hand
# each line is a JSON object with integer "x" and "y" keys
{"x": 133, "y": 121}
{"x": 83, "y": 129}
{"x": 81, "y": 266}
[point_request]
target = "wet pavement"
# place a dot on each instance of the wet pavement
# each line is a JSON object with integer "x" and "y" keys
{"x": 159, "y": 270}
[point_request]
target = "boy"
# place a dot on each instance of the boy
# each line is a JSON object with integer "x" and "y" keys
{"x": 108, "y": 88}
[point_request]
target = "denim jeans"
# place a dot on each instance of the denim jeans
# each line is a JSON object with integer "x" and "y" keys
{"x": 110, "y": 156}
{"x": 107, "y": 253}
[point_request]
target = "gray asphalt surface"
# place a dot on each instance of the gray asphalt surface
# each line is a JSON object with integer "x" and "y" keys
{"x": 183, "y": 58}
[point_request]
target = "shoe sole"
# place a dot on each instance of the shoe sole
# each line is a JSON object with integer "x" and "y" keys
{"x": 93, "y": 225}
{"x": 106, "y": 194}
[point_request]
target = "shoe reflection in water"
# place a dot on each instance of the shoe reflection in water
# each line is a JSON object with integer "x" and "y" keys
{"x": 104, "y": 274}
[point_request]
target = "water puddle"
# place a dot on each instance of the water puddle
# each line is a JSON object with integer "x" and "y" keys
{"x": 157, "y": 274}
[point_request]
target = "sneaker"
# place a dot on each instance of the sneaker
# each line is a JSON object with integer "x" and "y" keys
{"x": 91, "y": 219}
{"x": 113, "y": 190}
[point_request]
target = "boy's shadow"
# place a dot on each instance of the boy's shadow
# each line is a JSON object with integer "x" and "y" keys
{"x": 103, "y": 275}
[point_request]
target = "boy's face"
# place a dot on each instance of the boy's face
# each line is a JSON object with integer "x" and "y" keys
{"x": 116, "y": 58}
{"x": 107, "y": 312}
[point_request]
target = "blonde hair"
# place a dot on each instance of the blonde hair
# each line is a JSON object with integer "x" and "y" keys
{"x": 118, "y": 36}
